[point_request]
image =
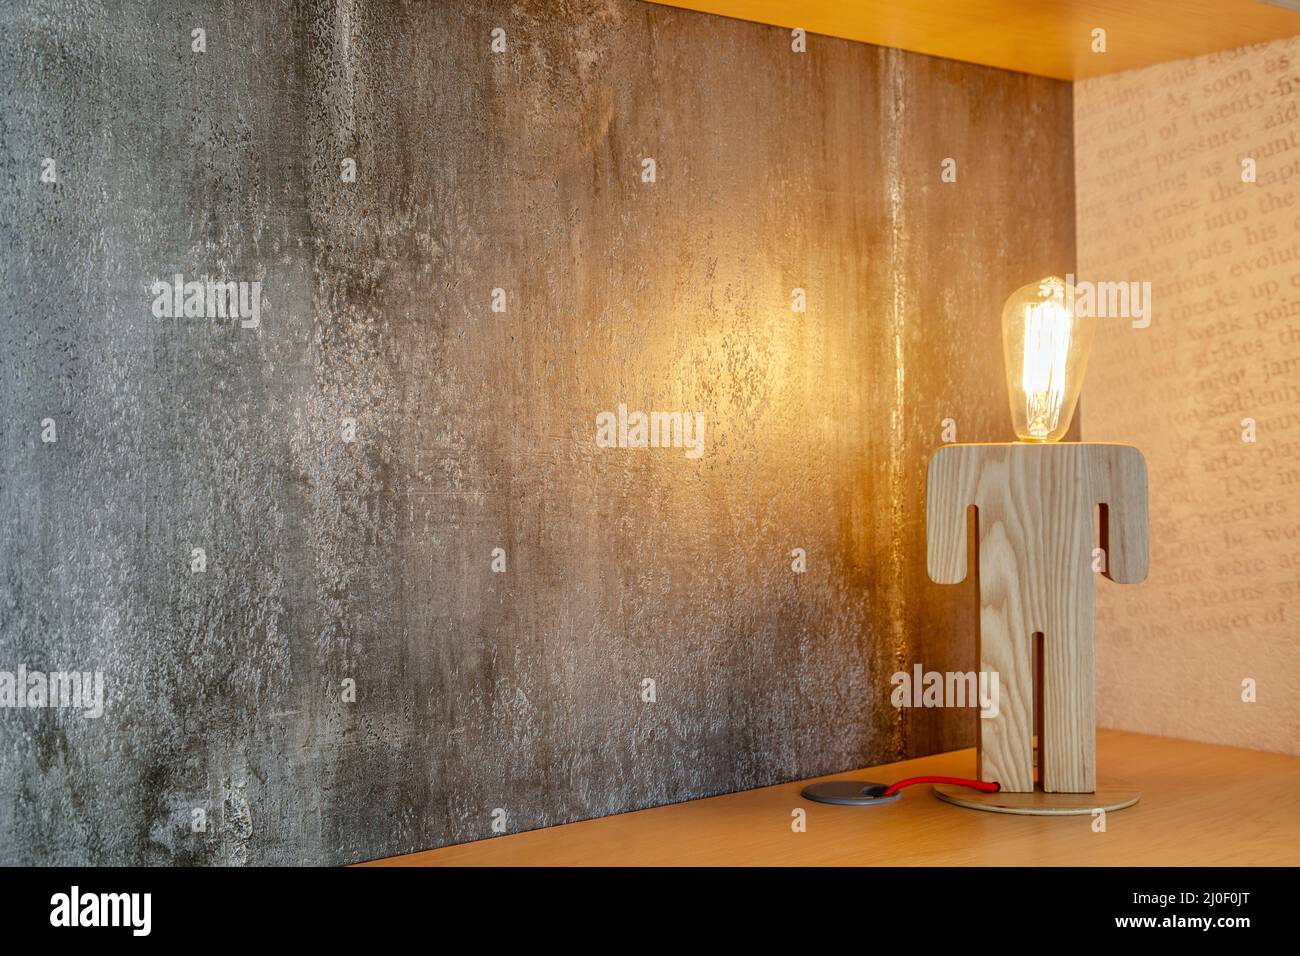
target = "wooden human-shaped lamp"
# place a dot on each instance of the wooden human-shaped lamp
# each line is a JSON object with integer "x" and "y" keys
{"x": 1035, "y": 501}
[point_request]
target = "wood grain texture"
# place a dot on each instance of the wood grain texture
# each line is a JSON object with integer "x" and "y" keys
{"x": 1202, "y": 805}
{"x": 1035, "y": 512}
{"x": 1045, "y": 37}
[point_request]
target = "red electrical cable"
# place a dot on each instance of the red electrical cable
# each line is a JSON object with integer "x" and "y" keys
{"x": 960, "y": 781}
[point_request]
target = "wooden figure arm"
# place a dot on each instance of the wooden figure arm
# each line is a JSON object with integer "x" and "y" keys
{"x": 1122, "y": 488}
{"x": 949, "y": 492}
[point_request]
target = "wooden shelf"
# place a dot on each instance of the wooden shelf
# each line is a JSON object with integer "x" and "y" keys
{"x": 1044, "y": 37}
{"x": 1201, "y": 805}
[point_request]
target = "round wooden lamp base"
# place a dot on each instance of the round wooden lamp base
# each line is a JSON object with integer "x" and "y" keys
{"x": 1038, "y": 803}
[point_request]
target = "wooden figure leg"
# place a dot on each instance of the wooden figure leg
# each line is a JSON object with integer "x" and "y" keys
{"x": 1068, "y": 752}
{"x": 1006, "y": 752}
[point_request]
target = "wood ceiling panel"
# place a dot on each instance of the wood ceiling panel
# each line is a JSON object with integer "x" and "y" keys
{"x": 1044, "y": 37}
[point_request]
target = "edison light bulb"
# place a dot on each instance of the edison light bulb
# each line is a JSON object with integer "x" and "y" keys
{"x": 1046, "y": 344}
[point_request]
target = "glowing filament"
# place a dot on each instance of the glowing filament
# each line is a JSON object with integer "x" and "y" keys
{"x": 1047, "y": 348}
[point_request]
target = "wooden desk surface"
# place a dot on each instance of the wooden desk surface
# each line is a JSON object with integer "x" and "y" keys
{"x": 1201, "y": 805}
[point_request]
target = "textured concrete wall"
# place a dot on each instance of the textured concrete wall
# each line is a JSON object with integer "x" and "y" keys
{"x": 370, "y": 560}
{"x": 1163, "y": 200}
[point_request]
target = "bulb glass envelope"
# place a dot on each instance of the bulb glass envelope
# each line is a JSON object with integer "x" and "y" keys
{"x": 1045, "y": 344}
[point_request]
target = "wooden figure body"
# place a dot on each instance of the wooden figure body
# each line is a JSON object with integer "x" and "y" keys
{"x": 1035, "y": 507}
